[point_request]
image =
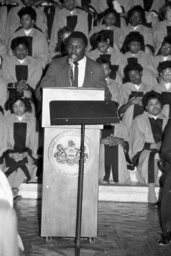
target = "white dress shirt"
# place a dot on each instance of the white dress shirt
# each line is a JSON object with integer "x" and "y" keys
{"x": 81, "y": 71}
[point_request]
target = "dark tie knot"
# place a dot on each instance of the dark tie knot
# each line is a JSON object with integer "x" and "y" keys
{"x": 76, "y": 63}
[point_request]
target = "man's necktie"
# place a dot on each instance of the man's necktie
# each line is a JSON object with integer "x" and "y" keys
{"x": 76, "y": 74}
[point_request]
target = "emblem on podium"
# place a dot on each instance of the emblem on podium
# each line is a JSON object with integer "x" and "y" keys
{"x": 64, "y": 153}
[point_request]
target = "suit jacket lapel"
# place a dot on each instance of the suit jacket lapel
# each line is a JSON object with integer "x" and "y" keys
{"x": 65, "y": 70}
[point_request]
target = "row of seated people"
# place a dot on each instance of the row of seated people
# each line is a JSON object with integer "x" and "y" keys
{"x": 19, "y": 132}
{"x": 20, "y": 66}
{"x": 18, "y": 69}
{"x": 42, "y": 33}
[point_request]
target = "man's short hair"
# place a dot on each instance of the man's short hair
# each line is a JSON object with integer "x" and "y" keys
{"x": 80, "y": 35}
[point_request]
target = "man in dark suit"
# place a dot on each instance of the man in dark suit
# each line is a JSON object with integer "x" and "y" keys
{"x": 76, "y": 69}
{"x": 165, "y": 208}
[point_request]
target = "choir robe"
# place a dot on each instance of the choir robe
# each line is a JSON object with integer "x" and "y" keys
{"x": 141, "y": 136}
{"x": 113, "y": 86}
{"x": 127, "y": 91}
{"x": 60, "y": 21}
{"x": 39, "y": 45}
{"x": 3, "y": 91}
{"x": 143, "y": 30}
{"x": 28, "y": 142}
{"x": 13, "y": 21}
{"x": 115, "y": 55}
{"x": 3, "y": 50}
{"x": 155, "y": 6}
{"x": 3, "y": 20}
{"x": 166, "y": 98}
{"x": 121, "y": 172}
{"x": 159, "y": 32}
{"x": 2, "y": 139}
{"x": 117, "y": 32}
{"x": 101, "y": 5}
{"x": 144, "y": 59}
{"x": 34, "y": 68}
{"x": 49, "y": 12}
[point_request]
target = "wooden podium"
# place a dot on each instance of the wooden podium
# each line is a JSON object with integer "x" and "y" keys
{"x": 61, "y": 165}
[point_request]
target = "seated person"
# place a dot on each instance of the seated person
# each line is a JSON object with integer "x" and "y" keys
{"x": 163, "y": 28}
{"x": 109, "y": 25}
{"x": 37, "y": 42}
{"x": 114, "y": 145}
{"x": 134, "y": 51}
{"x": 113, "y": 80}
{"x": 69, "y": 16}
{"x": 13, "y": 20}
{"x": 103, "y": 49}
{"x": 145, "y": 141}
{"x": 20, "y": 143}
{"x": 164, "y": 86}
{"x": 164, "y": 52}
{"x": 131, "y": 94}
{"x": 60, "y": 50}
{"x": 136, "y": 22}
{"x": 102, "y": 5}
{"x": 21, "y": 71}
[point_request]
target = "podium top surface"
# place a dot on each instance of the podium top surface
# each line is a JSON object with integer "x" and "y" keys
{"x": 67, "y": 94}
{"x": 83, "y": 112}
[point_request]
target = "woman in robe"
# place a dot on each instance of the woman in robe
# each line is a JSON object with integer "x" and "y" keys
{"x": 145, "y": 142}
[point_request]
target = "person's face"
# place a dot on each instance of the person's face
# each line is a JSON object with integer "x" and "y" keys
{"x": 107, "y": 69}
{"x": 135, "y": 19}
{"x": 103, "y": 47}
{"x": 110, "y": 19}
{"x": 168, "y": 14}
{"x": 134, "y": 47}
{"x": 135, "y": 76}
{"x": 69, "y": 4}
{"x": 21, "y": 51}
{"x": 26, "y": 21}
{"x": 76, "y": 49}
{"x": 19, "y": 108}
{"x": 166, "y": 49}
{"x": 28, "y": 2}
{"x": 154, "y": 107}
{"x": 166, "y": 75}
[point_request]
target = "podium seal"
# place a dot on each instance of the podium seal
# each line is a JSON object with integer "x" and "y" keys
{"x": 64, "y": 153}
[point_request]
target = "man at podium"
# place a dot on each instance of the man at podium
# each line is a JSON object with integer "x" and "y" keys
{"x": 75, "y": 69}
